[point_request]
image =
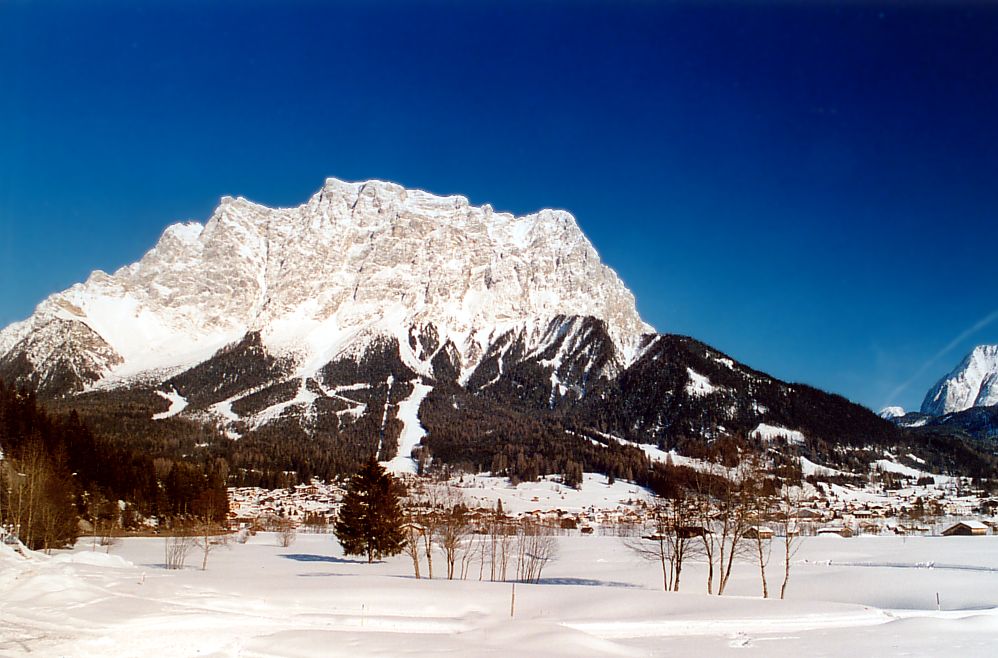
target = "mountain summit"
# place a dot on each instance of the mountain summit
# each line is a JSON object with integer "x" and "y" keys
{"x": 355, "y": 262}
{"x": 973, "y": 383}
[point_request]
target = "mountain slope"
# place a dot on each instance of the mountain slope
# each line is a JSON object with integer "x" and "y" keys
{"x": 417, "y": 327}
{"x": 973, "y": 383}
{"x": 964, "y": 402}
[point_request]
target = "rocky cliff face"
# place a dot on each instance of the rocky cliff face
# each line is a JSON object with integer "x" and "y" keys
{"x": 357, "y": 261}
{"x": 973, "y": 383}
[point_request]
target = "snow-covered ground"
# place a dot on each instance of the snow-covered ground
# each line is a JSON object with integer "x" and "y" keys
{"x": 549, "y": 494}
{"x": 858, "y": 596}
{"x": 412, "y": 430}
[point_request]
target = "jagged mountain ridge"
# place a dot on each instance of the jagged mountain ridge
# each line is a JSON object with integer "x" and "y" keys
{"x": 374, "y": 318}
{"x": 973, "y": 383}
{"x": 964, "y": 402}
{"x": 357, "y": 261}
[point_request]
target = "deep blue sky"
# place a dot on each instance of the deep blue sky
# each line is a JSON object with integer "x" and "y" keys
{"x": 812, "y": 190}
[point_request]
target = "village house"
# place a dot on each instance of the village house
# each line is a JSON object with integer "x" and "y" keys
{"x": 841, "y": 531}
{"x": 759, "y": 532}
{"x": 966, "y": 529}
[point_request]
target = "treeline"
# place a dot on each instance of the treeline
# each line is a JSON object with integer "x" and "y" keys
{"x": 56, "y": 470}
{"x": 470, "y": 433}
{"x": 467, "y": 433}
{"x": 281, "y": 453}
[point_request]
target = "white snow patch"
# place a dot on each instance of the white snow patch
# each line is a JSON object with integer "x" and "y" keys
{"x": 890, "y": 466}
{"x": 304, "y": 398}
{"x": 698, "y": 386}
{"x": 772, "y": 432}
{"x": 177, "y": 404}
{"x": 658, "y": 455}
{"x": 94, "y": 559}
{"x": 412, "y": 430}
{"x": 808, "y": 467}
{"x": 224, "y": 409}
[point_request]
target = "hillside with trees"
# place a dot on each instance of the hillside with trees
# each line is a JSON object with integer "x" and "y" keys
{"x": 56, "y": 471}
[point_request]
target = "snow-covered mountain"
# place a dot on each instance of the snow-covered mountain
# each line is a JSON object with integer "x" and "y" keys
{"x": 973, "y": 383}
{"x": 373, "y": 318}
{"x": 892, "y": 412}
{"x": 357, "y": 262}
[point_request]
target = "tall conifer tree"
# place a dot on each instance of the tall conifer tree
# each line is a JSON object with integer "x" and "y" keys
{"x": 370, "y": 521}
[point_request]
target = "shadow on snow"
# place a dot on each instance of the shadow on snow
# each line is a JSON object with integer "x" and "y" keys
{"x": 588, "y": 582}
{"x": 307, "y": 557}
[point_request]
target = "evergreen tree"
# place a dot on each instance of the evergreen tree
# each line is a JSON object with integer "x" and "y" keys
{"x": 370, "y": 520}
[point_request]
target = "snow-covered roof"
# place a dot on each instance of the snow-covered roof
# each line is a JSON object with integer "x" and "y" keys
{"x": 976, "y": 525}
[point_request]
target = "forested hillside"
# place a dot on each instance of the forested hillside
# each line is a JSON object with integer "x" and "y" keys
{"x": 56, "y": 470}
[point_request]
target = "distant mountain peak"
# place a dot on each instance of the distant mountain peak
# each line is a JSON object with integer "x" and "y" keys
{"x": 973, "y": 383}
{"x": 892, "y": 412}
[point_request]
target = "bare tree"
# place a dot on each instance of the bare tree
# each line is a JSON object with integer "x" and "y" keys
{"x": 413, "y": 546}
{"x": 472, "y": 546}
{"x": 733, "y": 522}
{"x": 29, "y": 481}
{"x": 790, "y": 504}
{"x": 762, "y": 541}
{"x": 426, "y": 500}
{"x": 452, "y": 528}
{"x": 108, "y": 530}
{"x": 287, "y": 532}
{"x": 536, "y": 546}
{"x": 685, "y": 535}
{"x": 484, "y": 545}
{"x": 177, "y": 548}
{"x": 505, "y": 539}
{"x": 209, "y": 535}
{"x": 208, "y": 540}
{"x": 668, "y": 538}
{"x": 35, "y": 470}
{"x": 702, "y": 514}
{"x": 653, "y": 545}
{"x": 53, "y": 521}
{"x": 426, "y": 505}
{"x": 760, "y": 508}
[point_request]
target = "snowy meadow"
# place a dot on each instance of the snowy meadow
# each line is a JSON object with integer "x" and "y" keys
{"x": 862, "y": 595}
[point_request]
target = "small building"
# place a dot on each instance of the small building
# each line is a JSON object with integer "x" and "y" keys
{"x": 691, "y": 531}
{"x": 841, "y": 531}
{"x": 966, "y": 529}
{"x": 759, "y": 532}
{"x": 869, "y": 528}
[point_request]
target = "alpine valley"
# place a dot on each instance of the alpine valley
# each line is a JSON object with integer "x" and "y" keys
{"x": 295, "y": 342}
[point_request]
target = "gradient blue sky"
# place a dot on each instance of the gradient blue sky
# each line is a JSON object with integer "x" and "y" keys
{"x": 813, "y": 190}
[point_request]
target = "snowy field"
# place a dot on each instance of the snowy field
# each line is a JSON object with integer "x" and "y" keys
{"x": 847, "y": 597}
